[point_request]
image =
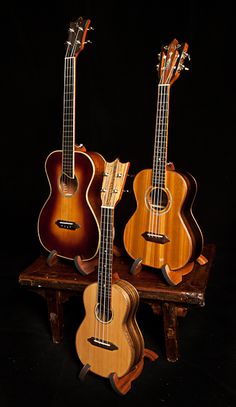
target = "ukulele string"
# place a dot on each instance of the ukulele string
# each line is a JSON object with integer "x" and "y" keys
{"x": 154, "y": 197}
{"x": 160, "y": 159}
{"x": 98, "y": 307}
{"x": 106, "y": 280}
{"x": 68, "y": 123}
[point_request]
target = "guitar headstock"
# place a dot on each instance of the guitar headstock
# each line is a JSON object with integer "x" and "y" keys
{"x": 171, "y": 64}
{"x": 76, "y": 37}
{"x": 114, "y": 179}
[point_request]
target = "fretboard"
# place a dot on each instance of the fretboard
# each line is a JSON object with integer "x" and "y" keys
{"x": 161, "y": 137}
{"x": 105, "y": 258}
{"x": 68, "y": 137}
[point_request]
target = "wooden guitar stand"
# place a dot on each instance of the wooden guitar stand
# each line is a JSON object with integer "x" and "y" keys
{"x": 122, "y": 385}
{"x": 84, "y": 267}
{"x": 172, "y": 277}
{"x": 87, "y": 267}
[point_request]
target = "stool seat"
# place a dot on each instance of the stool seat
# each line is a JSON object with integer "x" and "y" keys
{"x": 60, "y": 281}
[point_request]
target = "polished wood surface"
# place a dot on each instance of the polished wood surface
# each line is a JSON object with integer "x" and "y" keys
{"x": 104, "y": 361}
{"x": 170, "y": 222}
{"x": 82, "y": 206}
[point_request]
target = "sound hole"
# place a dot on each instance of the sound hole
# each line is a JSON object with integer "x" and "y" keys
{"x": 103, "y": 314}
{"x": 157, "y": 199}
{"x": 68, "y": 186}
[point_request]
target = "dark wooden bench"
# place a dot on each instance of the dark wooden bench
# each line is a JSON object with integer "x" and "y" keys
{"x": 60, "y": 281}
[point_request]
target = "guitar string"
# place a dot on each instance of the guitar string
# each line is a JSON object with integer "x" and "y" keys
{"x": 106, "y": 273}
{"x": 109, "y": 254}
{"x": 68, "y": 123}
{"x": 159, "y": 163}
{"x": 162, "y": 161}
{"x": 102, "y": 281}
{"x": 97, "y": 334}
{"x": 69, "y": 130}
{"x": 153, "y": 190}
{"x": 154, "y": 196}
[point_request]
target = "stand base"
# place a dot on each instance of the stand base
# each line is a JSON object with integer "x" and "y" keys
{"x": 172, "y": 277}
{"x": 122, "y": 385}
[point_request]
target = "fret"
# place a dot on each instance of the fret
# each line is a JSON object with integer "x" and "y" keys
{"x": 161, "y": 134}
{"x": 105, "y": 258}
{"x": 68, "y": 139}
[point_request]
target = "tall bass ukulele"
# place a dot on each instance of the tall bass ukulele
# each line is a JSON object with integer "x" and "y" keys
{"x": 68, "y": 223}
{"x": 108, "y": 339}
{"x": 162, "y": 232}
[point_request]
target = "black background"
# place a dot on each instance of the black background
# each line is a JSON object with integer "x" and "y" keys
{"x": 116, "y": 107}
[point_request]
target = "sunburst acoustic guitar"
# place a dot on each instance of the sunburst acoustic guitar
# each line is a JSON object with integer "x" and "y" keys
{"x": 109, "y": 340}
{"x": 162, "y": 232}
{"x": 68, "y": 223}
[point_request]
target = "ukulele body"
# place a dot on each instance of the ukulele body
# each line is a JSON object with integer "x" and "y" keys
{"x": 113, "y": 346}
{"x": 69, "y": 220}
{"x": 167, "y": 236}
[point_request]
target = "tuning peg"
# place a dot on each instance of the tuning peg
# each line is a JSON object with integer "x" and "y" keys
{"x": 186, "y": 55}
{"x": 88, "y": 42}
{"x": 90, "y": 29}
{"x": 184, "y": 67}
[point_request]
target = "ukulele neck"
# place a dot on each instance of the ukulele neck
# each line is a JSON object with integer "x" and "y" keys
{"x": 161, "y": 137}
{"x": 105, "y": 259}
{"x": 68, "y": 137}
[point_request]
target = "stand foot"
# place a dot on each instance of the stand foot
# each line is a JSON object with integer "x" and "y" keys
{"x": 136, "y": 266}
{"x": 123, "y": 384}
{"x": 52, "y": 258}
{"x": 85, "y": 267}
{"x": 202, "y": 260}
{"x": 84, "y": 371}
{"x": 174, "y": 277}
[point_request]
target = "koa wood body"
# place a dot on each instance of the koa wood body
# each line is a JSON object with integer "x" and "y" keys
{"x": 163, "y": 233}
{"x": 176, "y": 222}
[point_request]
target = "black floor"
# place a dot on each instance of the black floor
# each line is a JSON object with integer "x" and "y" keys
{"x": 36, "y": 372}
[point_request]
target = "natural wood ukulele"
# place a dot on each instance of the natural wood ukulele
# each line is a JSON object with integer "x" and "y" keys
{"x": 108, "y": 339}
{"x": 163, "y": 232}
{"x": 68, "y": 223}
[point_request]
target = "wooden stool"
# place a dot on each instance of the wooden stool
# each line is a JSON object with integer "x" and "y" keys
{"x": 60, "y": 281}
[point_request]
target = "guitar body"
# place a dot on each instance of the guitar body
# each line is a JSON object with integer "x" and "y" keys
{"x": 175, "y": 238}
{"x": 132, "y": 324}
{"x": 69, "y": 220}
{"x": 122, "y": 338}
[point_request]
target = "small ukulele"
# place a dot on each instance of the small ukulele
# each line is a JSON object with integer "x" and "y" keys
{"x": 163, "y": 232}
{"x": 108, "y": 339}
{"x": 68, "y": 223}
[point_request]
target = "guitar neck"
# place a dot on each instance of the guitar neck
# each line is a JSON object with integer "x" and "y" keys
{"x": 105, "y": 258}
{"x": 161, "y": 137}
{"x": 68, "y": 137}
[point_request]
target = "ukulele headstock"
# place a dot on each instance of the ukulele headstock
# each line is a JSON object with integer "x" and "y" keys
{"x": 76, "y": 36}
{"x": 114, "y": 179}
{"x": 171, "y": 64}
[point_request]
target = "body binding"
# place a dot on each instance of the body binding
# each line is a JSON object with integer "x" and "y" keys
{"x": 79, "y": 204}
{"x": 121, "y": 331}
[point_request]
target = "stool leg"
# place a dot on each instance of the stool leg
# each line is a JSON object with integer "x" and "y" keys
{"x": 170, "y": 329}
{"x": 55, "y": 314}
